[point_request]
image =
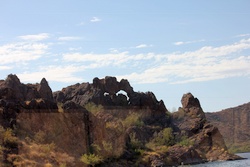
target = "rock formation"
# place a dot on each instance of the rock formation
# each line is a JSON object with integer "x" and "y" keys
{"x": 94, "y": 119}
{"x": 191, "y": 121}
{"x": 233, "y": 124}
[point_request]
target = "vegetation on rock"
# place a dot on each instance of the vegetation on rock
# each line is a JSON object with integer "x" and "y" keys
{"x": 233, "y": 124}
{"x": 93, "y": 124}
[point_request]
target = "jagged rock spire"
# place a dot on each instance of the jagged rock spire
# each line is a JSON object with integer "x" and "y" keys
{"x": 44, "y": 90}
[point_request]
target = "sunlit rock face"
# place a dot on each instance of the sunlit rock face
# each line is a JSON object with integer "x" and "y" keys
{"x": 233, "y": 124}
{"x": 106, "y": 118}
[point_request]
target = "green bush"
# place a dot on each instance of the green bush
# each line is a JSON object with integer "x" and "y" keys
{"x": 91, "y": 159}
{"x": 93, "y": 108}
{"x": 133, "y": 119}
{"x": 47, "y": 148}
{"x": 134, "y": 142}
{"x": 107, "y": 146}
{"x": 164, "y": 137}
{"x": 185, "y": 141}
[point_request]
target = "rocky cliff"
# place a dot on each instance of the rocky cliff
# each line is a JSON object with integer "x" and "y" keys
{"x": 105, "y": 122}
{"x": 234, "y": 125}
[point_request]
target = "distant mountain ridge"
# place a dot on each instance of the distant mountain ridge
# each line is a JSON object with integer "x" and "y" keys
{"x": 234, "y": 125}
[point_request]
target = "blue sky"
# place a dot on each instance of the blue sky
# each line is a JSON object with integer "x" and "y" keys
{"x": 168, "y": 47}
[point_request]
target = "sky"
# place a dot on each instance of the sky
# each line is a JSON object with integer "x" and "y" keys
{"x": 169, "y": 47}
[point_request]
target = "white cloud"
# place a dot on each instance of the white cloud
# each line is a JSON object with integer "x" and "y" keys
{"x": 188, "y": 42}
{"x": 242, "y": 35}
{"x": 52, "y": 73}
{"x": 75, "y": 49}
{"x": 95, "y": 19}
{"x": 36, "y": 37}
{"x": 179, "y": 43}
{"x": 69, "y": 38}
{"x": 114, "y": 50}
{"x": 207, "y": 63}
{"x": 103, "y": 60}
{"x": 21, "y": 52}
{"x": 5, "y": 67}
{"x": 143, "y": 46}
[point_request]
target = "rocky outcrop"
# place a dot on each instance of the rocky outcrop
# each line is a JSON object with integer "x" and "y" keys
{"x": 44, "y": 90}
{"x": 233, "y": 124}
{"x": 14, "y": 98}
{"x": 191, "y": 121}
{"x": 125, "y": 129}
{"x": 12, "y": 89}
{"x": 106, "y": 92}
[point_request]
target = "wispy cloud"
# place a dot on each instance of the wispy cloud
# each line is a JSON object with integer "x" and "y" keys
{"x": 21, "y": 52}
{"x": 203, "y": 64}
{"x": 75, "y": 49}
{"x": 114, "y": 50}
{"x": 69, "y": 38}
{"x": 143, "y": 46}
{"x": 35, "y": 37}
{"x": 95, "y": 19}
{"x": 5, "y": 67}
{"x": 188, "y": 42}
{"x": 207, "y": 63}
{"x": 52, "y": 73}
{"x": 242, "y": 35}
{"x": 110, "y": 59}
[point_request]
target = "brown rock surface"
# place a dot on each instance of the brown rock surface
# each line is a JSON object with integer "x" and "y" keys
{"x": 233, "y": 124}
{"x": 44, "y": 90}
{"x": 128, "y": 129}
{"x": 191, "y": 121}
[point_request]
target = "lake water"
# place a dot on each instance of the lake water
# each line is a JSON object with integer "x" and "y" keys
{"x": 238, "y": 163}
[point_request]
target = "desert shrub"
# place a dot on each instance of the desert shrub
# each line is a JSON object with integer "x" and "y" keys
{"x": 93, "y": 108}
{"x": 161, "y": 140}
{"x": 164, "y": 137}
{"x": 133, "y": 119}
{"x": 105, "y": 149}
{"x": 107, "y": 146}
{"x": 155, "y": 147}
{"x": 134, "y": 142}
{"x": 179, "y": 115}
{"x": 91, "y": 159}
{"x": 185, "y": 141}
{"x": 63, "y": 165}
{"x": 9, "y": 137}
{"x": 115, "y": 126}
{"x": 39, "y": 137}
{"x": 47, "y": 148}
{"x": 95, "y": 148}
{"x": 60, "y": 107}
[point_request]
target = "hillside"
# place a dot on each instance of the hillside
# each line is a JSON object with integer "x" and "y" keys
{"x": 105, "y": 122}
{"x": 234, "y": 125}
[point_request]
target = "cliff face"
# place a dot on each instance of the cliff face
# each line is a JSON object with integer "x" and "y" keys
{"x": 93, "y": 123}
{"x": 233, "y": 124}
